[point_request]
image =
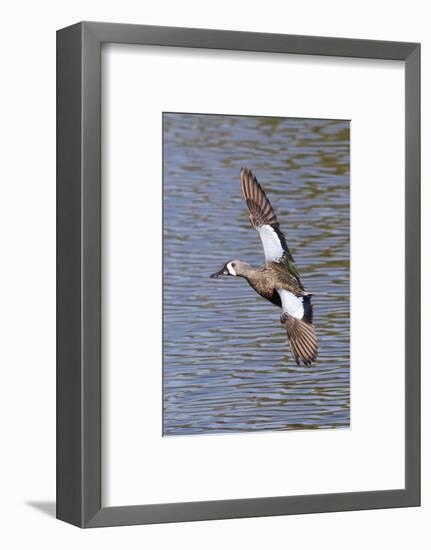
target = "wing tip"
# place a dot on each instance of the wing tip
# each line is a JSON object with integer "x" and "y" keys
{"x": 258, "y": 204}
{"x": 247, "y": 180}
{"x": 302, "y": 339}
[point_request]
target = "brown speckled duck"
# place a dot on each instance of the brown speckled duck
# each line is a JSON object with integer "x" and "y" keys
{"x": 278, "y": 281}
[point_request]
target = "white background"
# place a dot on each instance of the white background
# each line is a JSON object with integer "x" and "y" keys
{"x": 28, "y": 275}
{"x": 137, "y": 461}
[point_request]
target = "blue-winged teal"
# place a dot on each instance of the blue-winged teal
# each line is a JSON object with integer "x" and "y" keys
{"x": 278, "y": 281}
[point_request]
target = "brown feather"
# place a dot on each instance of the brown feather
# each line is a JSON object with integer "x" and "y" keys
{"x": 259, "y": 207}
{"x": 302, "y": 339}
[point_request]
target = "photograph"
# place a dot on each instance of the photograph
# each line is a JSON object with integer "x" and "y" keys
{"x": 214, "y": 242}
{"x": 256, "y": 273}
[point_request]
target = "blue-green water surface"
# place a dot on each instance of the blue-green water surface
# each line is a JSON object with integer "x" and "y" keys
{"x": 227, "y": 365}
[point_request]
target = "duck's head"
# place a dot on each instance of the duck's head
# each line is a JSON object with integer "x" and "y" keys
{"x": 234, "y": 268}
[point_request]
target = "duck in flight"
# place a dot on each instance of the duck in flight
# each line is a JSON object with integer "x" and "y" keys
{"x": 278, "y": 281}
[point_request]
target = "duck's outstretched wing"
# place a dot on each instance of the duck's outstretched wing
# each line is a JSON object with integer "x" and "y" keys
{"x": 264, "y": 220}
{"x": 297, "y": 317}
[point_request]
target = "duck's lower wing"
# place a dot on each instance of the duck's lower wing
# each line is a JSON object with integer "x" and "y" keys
{"x": 297, "y": 318}
{"x": 302, "y": 339}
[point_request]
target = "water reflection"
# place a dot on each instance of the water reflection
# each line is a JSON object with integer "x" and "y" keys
{"x": 227, "y": 366}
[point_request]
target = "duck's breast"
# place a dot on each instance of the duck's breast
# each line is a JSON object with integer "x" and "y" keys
{"x": 265, "y": 288}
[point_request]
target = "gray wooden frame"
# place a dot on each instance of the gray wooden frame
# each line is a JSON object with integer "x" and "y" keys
{"x": 79, "y": 274}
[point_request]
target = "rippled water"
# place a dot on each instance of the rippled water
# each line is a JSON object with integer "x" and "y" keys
{"x": 227, "y": 365}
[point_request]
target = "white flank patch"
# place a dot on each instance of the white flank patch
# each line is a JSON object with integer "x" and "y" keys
{"x": 293, "y": 305}
{"x": 271, "y": 243}
{"x": 231, "y": 269}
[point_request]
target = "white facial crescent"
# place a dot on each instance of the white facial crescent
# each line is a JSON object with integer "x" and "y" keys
{"x": 231, "y": 269}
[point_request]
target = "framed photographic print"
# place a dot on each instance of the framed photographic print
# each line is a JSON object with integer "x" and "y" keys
{"x": 238, "y": 291}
